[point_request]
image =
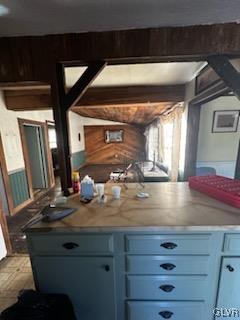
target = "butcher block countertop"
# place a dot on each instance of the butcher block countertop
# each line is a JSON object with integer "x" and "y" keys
{"x": 171, "y": 206}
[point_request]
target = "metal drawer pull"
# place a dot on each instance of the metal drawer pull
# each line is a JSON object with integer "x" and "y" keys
{"x": 166, "y": 314}
{"x": 107, "y": 268}
{"x": 70, "y": 245}
{"x": 167, "y": 288}
{"x": 230, "y": 268}
{"x": 169, "y": 245}
{"x": 168, "y": 266}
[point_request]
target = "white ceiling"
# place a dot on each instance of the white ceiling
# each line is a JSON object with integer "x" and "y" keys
{"x": 140, "y": 74}
{"x": 31, "y": 17}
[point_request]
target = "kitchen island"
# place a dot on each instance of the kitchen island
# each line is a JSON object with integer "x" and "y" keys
{"x": 173, "y": 256}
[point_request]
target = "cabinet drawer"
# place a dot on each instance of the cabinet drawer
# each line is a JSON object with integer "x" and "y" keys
{"x": 167, "y": 264}
{"x": 169, "y": 244}
{"x": 155, "y": 310}
{"x": 69, "y": 244}
{"x": 167, "y": 287}
{"x": 231, "y": 242}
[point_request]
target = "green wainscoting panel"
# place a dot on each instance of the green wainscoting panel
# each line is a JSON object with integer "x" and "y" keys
{"x": 78, "y": 158}
{"x": 19, "y": 186}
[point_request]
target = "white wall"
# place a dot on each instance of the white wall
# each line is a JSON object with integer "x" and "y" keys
{"x": 218, "y": 150}
{"x": 10, "y": 132}
{"x": 11, "y": 136}
{"x": 76, "y": 127}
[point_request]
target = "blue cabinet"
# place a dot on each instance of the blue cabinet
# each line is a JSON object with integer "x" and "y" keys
{"x": 88, "y": 281}
{"x": 156, "y": 310}
{"x": 228, "y": 306}
{"x": 135, "y": 275}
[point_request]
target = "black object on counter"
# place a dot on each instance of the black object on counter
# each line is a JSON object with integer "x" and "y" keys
{"x": 32, "y": 305}
{"x": 49, "y": 213}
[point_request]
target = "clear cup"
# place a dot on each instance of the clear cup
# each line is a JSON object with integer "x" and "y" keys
{"x": 116, "y": 192}
{"x": 100, "y": 190}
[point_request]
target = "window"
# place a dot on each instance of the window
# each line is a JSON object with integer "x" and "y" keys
{"x": 52, "y": 137}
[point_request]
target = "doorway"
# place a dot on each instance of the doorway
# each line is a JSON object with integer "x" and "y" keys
{"x": 37, "y": 156}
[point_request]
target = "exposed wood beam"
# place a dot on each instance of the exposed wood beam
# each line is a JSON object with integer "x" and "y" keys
{"x": 214, "y": 91}
{"x": 61, "y": 125}
{"x": 36, "y": 54}
{"x": 132, "y": 94}
{"x": 83, "y": 83}
{"x": 226, "y": 71}
{"x": 28, "y": 101}
{"x": 40, "y": 99}
{"x": 61, "y": 102}
{"x": 24, "y": 85}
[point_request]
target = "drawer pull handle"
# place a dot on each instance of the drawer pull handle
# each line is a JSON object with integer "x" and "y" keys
{"x": 169, "y": 245}
{"x": 70, "y": 245}
{"x": 168, "y": 266}
{"x": 230, "y": 268}
{"x": 166, "y": 314}
{"x": 107, "y": 268}
{"x": 167, "y": 288}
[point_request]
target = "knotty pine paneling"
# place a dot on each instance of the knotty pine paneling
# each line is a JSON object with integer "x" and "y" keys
{"x": 99, "y": 152}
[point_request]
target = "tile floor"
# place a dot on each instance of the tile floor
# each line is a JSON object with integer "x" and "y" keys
{"x": 15, "y": 275}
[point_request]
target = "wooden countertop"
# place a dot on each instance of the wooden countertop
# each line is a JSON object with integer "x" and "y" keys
{"x": 171, "y": 206}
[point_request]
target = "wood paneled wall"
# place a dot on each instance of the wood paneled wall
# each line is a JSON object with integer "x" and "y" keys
{"x": 32, "y": 58}
{"x": 99, "y": 152}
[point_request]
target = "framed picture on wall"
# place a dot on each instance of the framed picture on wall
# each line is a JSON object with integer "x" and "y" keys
{"x": 225, "y": 121}
{"x": 113, "y": 136}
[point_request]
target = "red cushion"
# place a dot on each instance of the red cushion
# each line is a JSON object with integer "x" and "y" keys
{"x": 221, "y": 188}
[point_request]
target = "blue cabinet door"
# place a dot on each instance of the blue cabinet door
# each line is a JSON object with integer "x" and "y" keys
{"x": 228, "y": 306}
{"x": 88, "y": 281}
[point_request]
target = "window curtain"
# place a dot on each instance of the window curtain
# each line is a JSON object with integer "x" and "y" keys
{"x": 152, "y": 142}
{"x": 163, "y": 139}
{"x": 174, "y": 118}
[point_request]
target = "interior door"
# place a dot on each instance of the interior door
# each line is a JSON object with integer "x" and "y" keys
{"x": 37, "y": 156}
{"x": 228, "y": 297}
{"x": 88, "y": 281}
{"x": 3, "y": 196}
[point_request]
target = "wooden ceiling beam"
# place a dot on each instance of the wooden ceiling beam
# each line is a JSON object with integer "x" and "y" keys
{"x": 20, "y": 100}
{"x": 227, "y": 72}
{"x": 62, "y": 101}
{"x": 132, "y": 94}
{"x": 216, "y": 90}
{"x": 24, "y": 85}
{"x": 76, "y": 92}
{"x": 31, "y": 58}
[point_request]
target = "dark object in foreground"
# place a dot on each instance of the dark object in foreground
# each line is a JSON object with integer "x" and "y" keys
{"x": 32, "y": 305}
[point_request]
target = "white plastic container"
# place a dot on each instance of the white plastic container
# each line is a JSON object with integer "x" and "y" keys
{"x": 116, "y": 192}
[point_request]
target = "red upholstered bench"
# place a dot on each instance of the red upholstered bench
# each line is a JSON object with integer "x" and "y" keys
{"x": 221, "y": 188}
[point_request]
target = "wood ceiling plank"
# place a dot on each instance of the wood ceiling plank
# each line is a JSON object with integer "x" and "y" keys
{"x": 140, "y": 114}
{"x": 32, "y": 57}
